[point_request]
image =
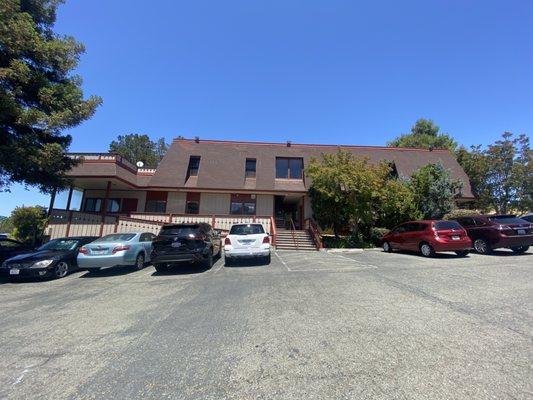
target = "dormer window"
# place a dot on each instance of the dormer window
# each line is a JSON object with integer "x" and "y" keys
{"x": 194, "y": 166}
{"x": 289, "y": 168}
{"x": 250, "y": 168}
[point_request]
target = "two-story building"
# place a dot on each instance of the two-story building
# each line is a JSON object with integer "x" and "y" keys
{"x": 223, "y": 181}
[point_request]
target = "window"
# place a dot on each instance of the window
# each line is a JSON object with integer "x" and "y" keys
{"x": 248, "y": 229}
{"x": 156, "y": 202}
{"x": 242, "y": 204}
{"x": 466, "y": 221}
{"x": 113, "y": 205}
{"x": 93, "y": 204}
{"x": 250, "y": 168}
{"x": 116, "y": 237}
{"x": 447, "y": 225}
{"x": 289, "y": 168}
{"x": 194, "y": 166}
{"x": 146, "y": 237}
{"x": 192, "y": 204}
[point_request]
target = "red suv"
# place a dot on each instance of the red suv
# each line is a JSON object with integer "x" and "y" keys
{"x": 489, "y": 232}
{"x": 428, "y": 237}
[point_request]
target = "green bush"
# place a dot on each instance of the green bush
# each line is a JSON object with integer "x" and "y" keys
{"x": 458, "y": 213}
{"x": 28, "y": 223}
{"x": 376, "y": 234}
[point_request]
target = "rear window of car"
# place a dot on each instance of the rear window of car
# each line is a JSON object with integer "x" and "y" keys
{"x": 116, "y": 237}
{"x": 446, "y": 225}
{"x": 507, "y": 220}
{"x": 179, "y": 230}
{"x": 249, "y": 229}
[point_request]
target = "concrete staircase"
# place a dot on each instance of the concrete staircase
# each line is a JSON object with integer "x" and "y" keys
{"x": 285, "y": 240}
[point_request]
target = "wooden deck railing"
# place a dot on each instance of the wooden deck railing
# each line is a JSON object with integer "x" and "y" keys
{"x": 76, "y": 223}
{"x": 314, "y": 230}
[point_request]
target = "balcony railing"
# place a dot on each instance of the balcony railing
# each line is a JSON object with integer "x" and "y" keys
{"x": 107, "y": 157}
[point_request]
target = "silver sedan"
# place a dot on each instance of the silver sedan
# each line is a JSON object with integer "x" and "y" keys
{"x": 117, "y": 249}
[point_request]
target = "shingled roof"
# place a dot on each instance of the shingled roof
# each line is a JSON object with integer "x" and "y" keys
{"x": 222, "y": 164}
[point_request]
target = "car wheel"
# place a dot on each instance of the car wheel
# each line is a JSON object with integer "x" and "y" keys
{"x": 139, "y": 262}
{"x": 482, "y": 246}
{"x": 61, "y": 270}
{"x": 520, "y": 249}
{"x": 462, "y": 253}
{"x": 387, "y": 247}
{"x": 427, "y": 250}
{"x": 208, "y": 261}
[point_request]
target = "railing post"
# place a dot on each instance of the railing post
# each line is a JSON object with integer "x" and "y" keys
{"x": 170, "y": 218}
{"x": 69, "y": 221}
{"x": 213, "y": 221}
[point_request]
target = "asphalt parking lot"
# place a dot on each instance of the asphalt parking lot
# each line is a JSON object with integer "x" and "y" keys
{"x": 308, "y": 326}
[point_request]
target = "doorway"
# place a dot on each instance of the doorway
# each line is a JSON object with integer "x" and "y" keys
{"x": 287, "y": 208}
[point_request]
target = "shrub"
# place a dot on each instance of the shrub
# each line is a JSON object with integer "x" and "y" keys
{"x": 376, "y": 234}
{"x": 459, "y": 212}
{"x": 28, "y": 223}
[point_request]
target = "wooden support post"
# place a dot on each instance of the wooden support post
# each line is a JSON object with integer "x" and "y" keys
{"x": 52, "y": 201}
{"x": 69, "y": 221}
{"x": 104, "y": 207}
{"x": 213, "y": 221}
{"x": 69, "y": 198}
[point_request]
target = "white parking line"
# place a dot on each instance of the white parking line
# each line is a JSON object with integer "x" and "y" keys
{"x": 282, "y": 261}
{"x": 321, "y": 261}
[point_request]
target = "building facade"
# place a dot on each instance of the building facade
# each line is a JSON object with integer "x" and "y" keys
{"x": 225, "y": 178}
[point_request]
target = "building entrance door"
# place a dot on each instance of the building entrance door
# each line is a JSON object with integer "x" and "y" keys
{"x": 287, "y": 208}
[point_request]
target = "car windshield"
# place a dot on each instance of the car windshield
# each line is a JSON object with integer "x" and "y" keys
{"x": 507, "y": 219}
{"x": 116, "y": 237}
{"x": 250, "y": 229}
{"x": 446, "y": 225}
{"x": 60, "y": 244}
{"x": 180, "y": 230}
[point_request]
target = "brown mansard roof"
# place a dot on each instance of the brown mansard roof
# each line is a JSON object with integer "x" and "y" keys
{"x": 222, "y": 164}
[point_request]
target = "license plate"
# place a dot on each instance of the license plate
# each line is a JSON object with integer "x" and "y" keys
{"x": 99, "y": 252}
{"x": 456, "y": 237}
{"x": 521, "y": 231}
{"x": 176, "y": 244}
{"x": 14, "y": 271}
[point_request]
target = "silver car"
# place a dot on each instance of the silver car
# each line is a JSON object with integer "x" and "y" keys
{"x": 117, "y": 249}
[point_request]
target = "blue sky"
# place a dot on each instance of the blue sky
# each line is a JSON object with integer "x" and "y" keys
{"x": 306, "y": 71}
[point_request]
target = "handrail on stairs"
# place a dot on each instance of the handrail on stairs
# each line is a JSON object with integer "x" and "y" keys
{"x": 293, "y": 232}
{"x": 314, "y": 230}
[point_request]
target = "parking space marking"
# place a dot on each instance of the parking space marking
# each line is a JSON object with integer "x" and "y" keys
{"x": 322, "y": 262}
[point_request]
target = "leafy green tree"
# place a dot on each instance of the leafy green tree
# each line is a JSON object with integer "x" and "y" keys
{"x": 425, "y": 134}
{"x": 344, "y": 189}
{"x": 39, "y": 95}
{"x": 396, "y": 204}
{"x": 136, "y": 147}
{"x": 6, "y": 225}
{"x": 28, "y": 223}
{"x": 501, "y": 175}
{"x": 434, "y": 190}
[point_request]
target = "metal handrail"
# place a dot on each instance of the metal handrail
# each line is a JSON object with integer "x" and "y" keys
{"x": 293, "y": 232}
{"x": 315, "y": 233}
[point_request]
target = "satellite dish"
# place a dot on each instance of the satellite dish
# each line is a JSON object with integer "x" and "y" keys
{"x": 140, "y": 164}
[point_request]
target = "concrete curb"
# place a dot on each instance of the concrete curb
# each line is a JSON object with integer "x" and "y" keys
{"x": 352, "y": 250}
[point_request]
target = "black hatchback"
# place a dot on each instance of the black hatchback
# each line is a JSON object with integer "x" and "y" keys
{"x": 179, "y": 244}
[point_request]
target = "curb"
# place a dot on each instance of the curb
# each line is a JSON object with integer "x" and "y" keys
{"x": 352, "y": 250}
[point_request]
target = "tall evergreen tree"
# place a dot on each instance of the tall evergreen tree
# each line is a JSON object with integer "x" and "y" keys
{"x": 425, "y": 134}
{"x": 40, "y": 97}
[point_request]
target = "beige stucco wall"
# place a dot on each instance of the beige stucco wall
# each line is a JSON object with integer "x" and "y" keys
{"x": 215, "y": 203}
{"x": 176, "y": 202}
{"x": 264, "y": 204}
{"x": 140, "y": 195}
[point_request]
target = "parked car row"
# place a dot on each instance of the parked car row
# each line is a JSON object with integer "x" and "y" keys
{"x": 483, "y": 233}
{"x": 176, "y": 244}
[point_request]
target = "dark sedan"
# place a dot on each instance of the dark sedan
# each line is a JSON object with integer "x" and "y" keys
{"x": 54, "y": 259}
{"x": 10, "y": 248}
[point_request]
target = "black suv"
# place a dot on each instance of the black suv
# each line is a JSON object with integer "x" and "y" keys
{"x": 185, "y": 243}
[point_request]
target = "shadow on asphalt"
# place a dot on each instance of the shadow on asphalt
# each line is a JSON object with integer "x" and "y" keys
{"x": 507, "y": 253}
{"x": 114, "y": 271}
{"x": 182, "y": 269}
{"x": 247, "y": 263}
{"x": 437, "y": 256}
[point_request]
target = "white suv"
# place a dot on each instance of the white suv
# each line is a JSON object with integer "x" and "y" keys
{"x": 247, "y": 241}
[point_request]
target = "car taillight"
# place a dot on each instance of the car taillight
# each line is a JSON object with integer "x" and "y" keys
{"x": 120, "y": 248}
{"x": 266, "y": 240}
{"x": 227, "y": 241}
{"x": 83, "y": 250}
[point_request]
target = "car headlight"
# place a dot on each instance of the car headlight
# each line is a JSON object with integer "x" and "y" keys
{"x": 42, "y": 264}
